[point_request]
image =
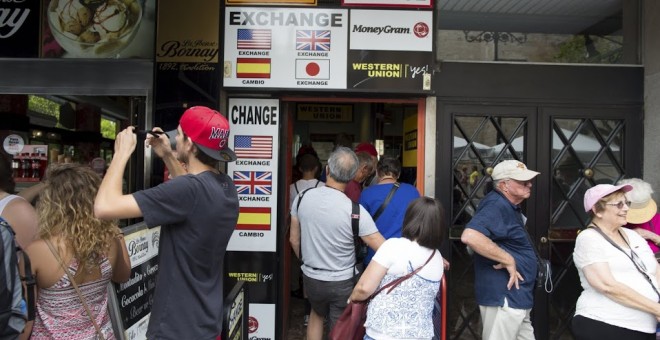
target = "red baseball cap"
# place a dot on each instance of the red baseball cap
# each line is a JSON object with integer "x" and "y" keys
{"x": 209, "y": 130}
{"x": 368, "y": 148}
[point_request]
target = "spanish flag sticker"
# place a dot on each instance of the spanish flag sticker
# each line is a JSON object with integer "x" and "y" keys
{"x": 253, "y": 218}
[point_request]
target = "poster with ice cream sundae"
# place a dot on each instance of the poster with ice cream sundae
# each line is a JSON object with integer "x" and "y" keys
{"x": 98, "y": 29}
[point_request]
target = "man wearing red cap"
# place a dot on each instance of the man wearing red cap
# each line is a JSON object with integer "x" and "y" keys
{"x": 369, "y": 149}
{"x": 197, "y": 211}
{"x": 366, "y": 168}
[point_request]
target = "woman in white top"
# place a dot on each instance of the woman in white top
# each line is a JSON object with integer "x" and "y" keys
{"x": 618, "y": 273}
{"x": 308, "y": 165}
{"x": 405, "y": 312}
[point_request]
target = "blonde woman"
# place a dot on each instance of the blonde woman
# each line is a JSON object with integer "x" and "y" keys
{"x": 93, "y": 251}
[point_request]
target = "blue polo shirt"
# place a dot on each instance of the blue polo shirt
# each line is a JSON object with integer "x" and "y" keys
{"x": 501, "y": 221}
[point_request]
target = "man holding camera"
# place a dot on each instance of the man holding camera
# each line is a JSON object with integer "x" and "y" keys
{"x": 197, "y": 211}
{"x": 504, "y": 256}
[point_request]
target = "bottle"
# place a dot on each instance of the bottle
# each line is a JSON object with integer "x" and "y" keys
{"x": 15, "y": 166}
{"x": 35, "y": 165}
{"x": 43, "y": 160}
{"x": 26, "y": 165}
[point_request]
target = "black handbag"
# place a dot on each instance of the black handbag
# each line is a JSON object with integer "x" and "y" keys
{"x": 544, "y": 267}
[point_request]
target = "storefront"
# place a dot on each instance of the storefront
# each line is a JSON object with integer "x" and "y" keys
{"x": 444, "y": 85}
{"x": 292, "y": 79}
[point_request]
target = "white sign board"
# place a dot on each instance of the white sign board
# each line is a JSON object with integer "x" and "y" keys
{"x": 285, "y": 48}
{"x": 254, "y": 138}
{"x": 384, "y": 30}
{"x": 261, "y": 323}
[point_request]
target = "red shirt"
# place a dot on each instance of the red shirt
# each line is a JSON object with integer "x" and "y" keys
{"x": 353, "y": 191}
{"x": 652, "y": 225}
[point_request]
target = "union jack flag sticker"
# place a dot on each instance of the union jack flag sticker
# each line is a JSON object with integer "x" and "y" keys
{"x": 253, "y": 182}
{"x": 313, "y": 40}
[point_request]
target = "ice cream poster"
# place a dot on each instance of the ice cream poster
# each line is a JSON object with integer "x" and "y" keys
{"x": 98, "y": 29}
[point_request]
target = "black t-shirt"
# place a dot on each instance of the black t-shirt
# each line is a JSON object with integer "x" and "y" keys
{"x": 197, "y": 215}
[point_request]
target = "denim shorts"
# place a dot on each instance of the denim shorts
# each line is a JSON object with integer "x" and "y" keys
{"x": 328, "y": 298}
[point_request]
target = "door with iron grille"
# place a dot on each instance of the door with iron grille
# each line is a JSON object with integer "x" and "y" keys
{"x": 584, "y": 147}
{"x": 574, "y": 149}
{"x": 482, "y": 136}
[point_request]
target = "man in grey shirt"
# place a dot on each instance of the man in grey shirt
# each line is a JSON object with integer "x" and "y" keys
{"x": 322, "y": 237}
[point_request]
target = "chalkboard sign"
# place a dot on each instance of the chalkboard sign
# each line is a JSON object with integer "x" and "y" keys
{"x": 236, "y": 311}
{"x": 130, "y": 302}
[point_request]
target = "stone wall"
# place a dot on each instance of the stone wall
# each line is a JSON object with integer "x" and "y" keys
{"x": 651, "y": 60}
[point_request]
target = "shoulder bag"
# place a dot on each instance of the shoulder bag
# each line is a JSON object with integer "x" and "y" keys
{"x": 387, "y": 201}
{"x": 544, "y": 270}
{"x": 99, "y": 334}
{"x": 631, "y": 256}
{"x": 350, "y": 325}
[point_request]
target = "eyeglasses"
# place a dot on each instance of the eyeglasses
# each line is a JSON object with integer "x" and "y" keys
{"x": 619, "y": 205}
{"x": 523, "y": 183}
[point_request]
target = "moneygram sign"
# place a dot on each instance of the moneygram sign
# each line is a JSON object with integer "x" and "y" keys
{"x": 384, "y": 30}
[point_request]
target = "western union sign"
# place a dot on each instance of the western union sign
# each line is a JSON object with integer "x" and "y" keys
{"x": 325, "y": 112}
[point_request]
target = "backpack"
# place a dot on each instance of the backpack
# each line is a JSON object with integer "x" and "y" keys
{"x": 360, "y": 246}
{"x": 13, "y": 311}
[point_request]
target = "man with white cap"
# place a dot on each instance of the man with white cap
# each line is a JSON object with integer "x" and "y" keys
{"x": 504, "y": 257}
{"x": 197, "y": 211}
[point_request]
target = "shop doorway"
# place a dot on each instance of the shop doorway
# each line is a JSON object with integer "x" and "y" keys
{"x": 394, "y": 127}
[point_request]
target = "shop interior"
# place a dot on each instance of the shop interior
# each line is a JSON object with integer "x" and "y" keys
{"x": 390, "y": 126}
{"x": 382, "y": 124}
{"x": 38, "y": 130}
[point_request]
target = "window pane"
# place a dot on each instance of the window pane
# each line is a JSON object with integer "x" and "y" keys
{"x": 559, "y": 31}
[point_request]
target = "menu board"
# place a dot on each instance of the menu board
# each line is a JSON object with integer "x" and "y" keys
{"x": 131, "y": 301}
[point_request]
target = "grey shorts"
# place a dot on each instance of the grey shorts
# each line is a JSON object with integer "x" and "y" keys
{"x": 328, "y": 298}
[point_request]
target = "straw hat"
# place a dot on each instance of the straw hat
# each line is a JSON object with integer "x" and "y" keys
{"x": 642, "y": 207}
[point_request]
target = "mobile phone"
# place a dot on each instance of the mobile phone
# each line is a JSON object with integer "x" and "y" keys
{"x": 145, "y": 132}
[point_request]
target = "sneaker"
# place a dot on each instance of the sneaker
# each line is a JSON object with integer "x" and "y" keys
{"x": 306, "y": 320}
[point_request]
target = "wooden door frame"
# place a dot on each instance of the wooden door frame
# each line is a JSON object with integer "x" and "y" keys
{"x": 286, "y": 144}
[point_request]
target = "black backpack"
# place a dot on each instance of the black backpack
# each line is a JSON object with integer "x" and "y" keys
{"x": 12, "y": 308}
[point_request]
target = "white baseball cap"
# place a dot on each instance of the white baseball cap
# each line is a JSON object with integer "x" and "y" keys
{"x": 513, "y": 169}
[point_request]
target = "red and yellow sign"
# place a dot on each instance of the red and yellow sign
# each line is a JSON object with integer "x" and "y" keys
{"x": 253, "y": 218}
{"x": 253, "y": 68}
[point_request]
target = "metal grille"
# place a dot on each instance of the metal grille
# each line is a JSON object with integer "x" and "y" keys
{"x": 479, "y": 143}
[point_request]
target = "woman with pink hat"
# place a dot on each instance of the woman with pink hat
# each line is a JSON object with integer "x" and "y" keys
{"x": 618, "y": 272}
{"x": 643, "y": 215}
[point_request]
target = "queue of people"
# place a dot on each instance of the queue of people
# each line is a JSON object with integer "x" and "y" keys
{"x": 76, "y": 248}
{"x": 506, "y": 263}
{"x": 392, "y": 219}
